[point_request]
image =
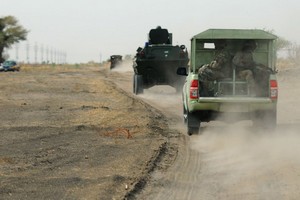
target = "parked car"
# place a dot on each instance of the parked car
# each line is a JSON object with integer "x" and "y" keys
{"x": 10, "y": 65}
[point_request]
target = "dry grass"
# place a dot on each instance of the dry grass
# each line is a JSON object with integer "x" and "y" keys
{"x": 285, "y": 63}
{"x": 62, "y": 67}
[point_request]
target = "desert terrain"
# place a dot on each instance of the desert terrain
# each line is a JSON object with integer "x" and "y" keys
{"x": 78, "y": 132}
{"x": 70, "y": 133}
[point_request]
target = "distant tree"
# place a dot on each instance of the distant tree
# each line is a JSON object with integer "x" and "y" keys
{"x": 294, "y": 52}
{"x": 281, "y": 42}
{"x": 10, "y": 33}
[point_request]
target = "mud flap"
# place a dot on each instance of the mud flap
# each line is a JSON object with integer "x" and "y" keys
{"x": 193, "y": 123}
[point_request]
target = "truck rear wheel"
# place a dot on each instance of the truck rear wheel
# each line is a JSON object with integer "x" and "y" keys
{"x": 138, "y": 84}
{"x": 193, "y": 123}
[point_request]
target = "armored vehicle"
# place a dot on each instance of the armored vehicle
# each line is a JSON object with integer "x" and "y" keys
{"x": 239, "y": 83}
{"x": 115, "y": 60}
{"x": 156, "y": 63}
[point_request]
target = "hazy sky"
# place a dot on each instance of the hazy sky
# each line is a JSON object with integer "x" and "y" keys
{"x": 89, "y": 29}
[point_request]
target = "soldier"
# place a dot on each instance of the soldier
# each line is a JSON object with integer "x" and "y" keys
{"x": 219, "y": 67}
{"x": 216, "y": 69}
{"x": 244, "y": 63}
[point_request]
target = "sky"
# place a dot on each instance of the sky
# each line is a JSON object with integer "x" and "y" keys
{"x": 92, "y": 30}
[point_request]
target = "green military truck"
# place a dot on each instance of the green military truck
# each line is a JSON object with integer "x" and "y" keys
{"x": 231, "y": 95}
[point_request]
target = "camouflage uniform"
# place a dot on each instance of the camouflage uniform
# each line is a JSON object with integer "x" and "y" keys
{"x": 223, "y": 62}
{"x": 244, "y": 63}
{"x": 215, "y": 70}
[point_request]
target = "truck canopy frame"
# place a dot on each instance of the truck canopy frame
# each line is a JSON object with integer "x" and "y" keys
{"x": 265, "y": 53}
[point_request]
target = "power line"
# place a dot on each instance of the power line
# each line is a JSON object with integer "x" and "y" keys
{"x": 37, "y": 53}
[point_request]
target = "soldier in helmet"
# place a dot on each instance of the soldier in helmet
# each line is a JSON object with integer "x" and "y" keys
{"x": 222, "y": 59}
{"x": 244, "y": 63}
{"x": 218, "y": 68}
{"x": 256, "y": 74}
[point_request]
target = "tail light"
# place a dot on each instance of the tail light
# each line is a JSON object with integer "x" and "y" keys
{"x": 194, "y": 89}
{"x": 273, "y": 89}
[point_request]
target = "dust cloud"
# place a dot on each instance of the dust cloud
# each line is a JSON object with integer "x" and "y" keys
{"x": 245, "y": 162}
{"x": 232, "y": 160}
{"x": 165, "y": 98}
{"x": 239, "y": 161}
{"x": 257, "y": 160}
{"x": 125, "y": 66}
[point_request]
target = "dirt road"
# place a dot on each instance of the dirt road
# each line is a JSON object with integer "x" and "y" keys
{"x": 230, "y": 161}
{"x": 79, "y": 133}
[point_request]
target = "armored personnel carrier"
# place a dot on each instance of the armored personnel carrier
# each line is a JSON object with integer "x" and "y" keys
{"x": 157, "y": 62}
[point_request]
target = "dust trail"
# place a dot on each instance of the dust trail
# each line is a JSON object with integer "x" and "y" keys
{"x": 165, "y": 98}
{"x": 250, "y": 164}
{"x": 125, "y": 66}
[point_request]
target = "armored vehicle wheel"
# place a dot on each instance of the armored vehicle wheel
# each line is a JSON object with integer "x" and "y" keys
{"x": 193, "y": 124}
{"x": 138, "y": 84}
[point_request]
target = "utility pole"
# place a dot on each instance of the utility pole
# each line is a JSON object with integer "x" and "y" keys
{"x": 51, "y": 54}
{"x": 27, "y": 52}
{"x": 65, "y": 57}
{"x": 47, "y": 54}
{"x": 55, "y": 56}
{"x": 35, "y": 52}
{"x": 17, "y": 52}
{"x": 42, "y": 53}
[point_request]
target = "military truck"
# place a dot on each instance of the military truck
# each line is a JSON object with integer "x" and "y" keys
{"x": 157, "y": 62}
{"x": 115, "y": 60}
{"x": 229, "y": 97}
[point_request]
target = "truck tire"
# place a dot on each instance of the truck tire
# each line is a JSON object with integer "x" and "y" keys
{"x": 193, "y": 124}
{"x": 138, "y": 84}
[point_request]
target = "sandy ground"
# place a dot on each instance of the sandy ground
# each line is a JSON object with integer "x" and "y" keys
{"x": 80, "y": 133}
{"x": 70, "y": 133}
